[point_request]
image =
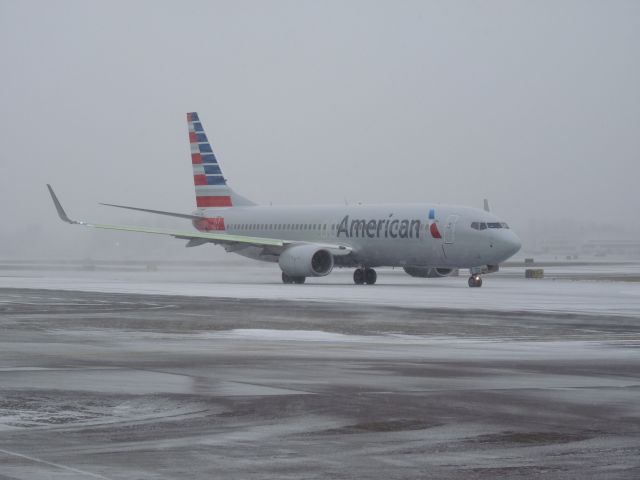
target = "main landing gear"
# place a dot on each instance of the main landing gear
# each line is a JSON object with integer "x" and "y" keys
{"x": 475, "y": 280}
{"x": 364, "y": 275}
{"x": 288, "y": 279}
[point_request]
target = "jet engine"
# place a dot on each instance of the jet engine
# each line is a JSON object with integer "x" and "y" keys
{"x": 306, "y": 261}
{"x": 428, "y": 272}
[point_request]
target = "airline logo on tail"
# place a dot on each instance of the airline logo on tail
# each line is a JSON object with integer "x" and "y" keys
{"x": 210, "y": 184}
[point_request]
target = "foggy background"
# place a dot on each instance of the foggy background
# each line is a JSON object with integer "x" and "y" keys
{"x": 534, "y": 105}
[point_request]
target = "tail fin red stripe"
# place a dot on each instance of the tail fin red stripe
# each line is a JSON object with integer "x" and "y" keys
{"x": 208, "y": 201}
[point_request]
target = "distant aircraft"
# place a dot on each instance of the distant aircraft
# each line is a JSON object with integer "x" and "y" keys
{"x": 427, "y": 240}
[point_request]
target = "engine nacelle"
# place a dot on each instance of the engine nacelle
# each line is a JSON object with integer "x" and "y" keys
{"x": 306, "y": 261}
{"x": 428, "y": 272}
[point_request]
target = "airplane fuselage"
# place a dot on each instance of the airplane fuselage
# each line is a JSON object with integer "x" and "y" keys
{"x": 442, "y": 236}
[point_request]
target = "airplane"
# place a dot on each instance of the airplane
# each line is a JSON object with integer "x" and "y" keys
{"x": 426, "y": 240}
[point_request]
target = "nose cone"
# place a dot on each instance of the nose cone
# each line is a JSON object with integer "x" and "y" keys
{"x": 510, "y": 244}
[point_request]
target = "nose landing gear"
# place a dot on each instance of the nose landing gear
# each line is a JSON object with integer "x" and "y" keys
{"x": 475, "y": 281}
{"x": 364, "y": 275}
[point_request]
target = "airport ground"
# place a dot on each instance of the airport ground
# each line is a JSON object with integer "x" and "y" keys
{"x": 127, "y": 374}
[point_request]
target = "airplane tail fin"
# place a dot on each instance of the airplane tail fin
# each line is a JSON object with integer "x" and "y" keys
{"x": 211, "y": 187}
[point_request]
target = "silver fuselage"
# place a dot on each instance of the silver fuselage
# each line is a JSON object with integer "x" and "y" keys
{"x": 380, "y": 235}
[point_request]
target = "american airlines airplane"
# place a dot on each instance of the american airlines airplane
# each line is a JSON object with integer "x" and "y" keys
{"x": 426, "y": 240}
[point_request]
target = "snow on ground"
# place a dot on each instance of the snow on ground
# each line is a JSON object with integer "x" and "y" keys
{"x": 499, "y": 293}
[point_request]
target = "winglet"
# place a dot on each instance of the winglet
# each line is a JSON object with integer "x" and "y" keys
{"x": 61, "y": 213}
{"x": 486, "y": 205}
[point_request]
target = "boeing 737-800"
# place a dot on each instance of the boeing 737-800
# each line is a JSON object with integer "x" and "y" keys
{"x": 427, "y": 240}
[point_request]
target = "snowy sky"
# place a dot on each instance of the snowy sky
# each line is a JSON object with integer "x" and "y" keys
{"x": 535, "y": 105}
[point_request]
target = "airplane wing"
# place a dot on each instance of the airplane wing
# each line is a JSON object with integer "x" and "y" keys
{"x": 272, "y": 245}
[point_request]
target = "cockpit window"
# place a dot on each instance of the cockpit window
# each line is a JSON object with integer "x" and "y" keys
{"x": 484, "y": 226}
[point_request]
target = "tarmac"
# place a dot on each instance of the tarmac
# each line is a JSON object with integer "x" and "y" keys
{"x": 142, "y": 385}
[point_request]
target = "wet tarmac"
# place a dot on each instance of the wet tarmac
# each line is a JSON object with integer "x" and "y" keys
{"x": 128, "y": 386}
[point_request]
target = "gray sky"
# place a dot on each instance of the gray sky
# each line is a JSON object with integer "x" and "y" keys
{"x": 535, "y": 105}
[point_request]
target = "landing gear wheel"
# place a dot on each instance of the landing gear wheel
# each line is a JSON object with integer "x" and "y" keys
{"x": 370, "y": 276}
{"x": 364, "y": 275}
{"x": 475, "y": 281}
{"x": 289, "y": 279}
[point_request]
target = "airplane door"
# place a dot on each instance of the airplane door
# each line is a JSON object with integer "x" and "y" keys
{"x": 450, "y": 229}
{"x": 324, "y": 232}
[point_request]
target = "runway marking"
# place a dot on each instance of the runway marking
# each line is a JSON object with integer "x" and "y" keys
{"x": 57, "y": 465}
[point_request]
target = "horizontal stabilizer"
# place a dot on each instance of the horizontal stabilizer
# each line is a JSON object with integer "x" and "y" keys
{"x": 158, "y": 212}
